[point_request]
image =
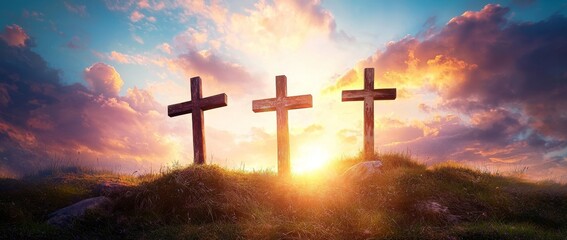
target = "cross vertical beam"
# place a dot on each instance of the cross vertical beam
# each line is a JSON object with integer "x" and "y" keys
{"x": 368, "y": 95}
{"x": 281, "y": 104}
{"x": 196, "y": 107}
{"x": 283, "y": 127}
{"x": 368, "y": 114}
{"x": 198, "y": 121}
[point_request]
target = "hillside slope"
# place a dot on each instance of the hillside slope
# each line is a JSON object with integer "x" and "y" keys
{"x": 406, "y": 201}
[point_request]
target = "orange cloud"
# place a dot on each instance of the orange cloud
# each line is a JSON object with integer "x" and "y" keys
{"x": 103, "y": 79}
{"x": 119, "y": 57}
{"x": 164, "y": 47}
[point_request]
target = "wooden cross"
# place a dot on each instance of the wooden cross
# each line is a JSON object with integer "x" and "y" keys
{"x": 368, "y": 95}
{"x": 196, "y": 106}
{"x": 281, "y": 104}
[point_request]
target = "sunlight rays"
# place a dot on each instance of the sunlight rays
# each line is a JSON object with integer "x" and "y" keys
{"x": 310, "y": 158}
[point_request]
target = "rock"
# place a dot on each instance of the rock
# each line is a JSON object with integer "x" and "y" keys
{"x": 363, "y": 170}
{"x": 107, "y": 188}
{"x": 435, "y": 210}
{"x": 63, "y": 217}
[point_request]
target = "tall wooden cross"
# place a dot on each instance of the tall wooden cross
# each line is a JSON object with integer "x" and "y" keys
{"x": 368, "y": 95}
{"x": 281, "y": 104}
{"x": 196, "y": 106}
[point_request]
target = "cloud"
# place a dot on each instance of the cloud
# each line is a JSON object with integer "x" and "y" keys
{"x": 138, "y": 39}
{"x": 218, "y": 73}
{"x": 190, "y": 39}
{"x": 14, "y": 35}
{"x": 103, "y": 79}
{"x": 164, "y": 47}
{"x": 490, "y": 142}
{"x": 53, "y": 123}
{"x": 281, "y": 25}
{"x": 39, "y": 16}
{"x": 136, "y": 16}
{"x": 212, "y": 68}
{"x": 118, "y": 5}
{"x": 141, "y": 59}
{"x": 517, "y": 65}
{"x": 119, "y": 57}
{"x": 143, "y": 4}
{"x": 153, "y": 5}
{"x": 267, "y": 26}
{"x": 81, "y": 10}
{"x": 505, "y": 79}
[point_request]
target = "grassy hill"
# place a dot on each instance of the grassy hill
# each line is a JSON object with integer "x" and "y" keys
{"x": 406, "y": 201}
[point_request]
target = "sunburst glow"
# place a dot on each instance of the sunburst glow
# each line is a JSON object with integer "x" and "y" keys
{"x": 310, "y": 158}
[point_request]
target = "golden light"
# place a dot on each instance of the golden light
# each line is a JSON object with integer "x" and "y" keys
{"x": 310, "y": 158}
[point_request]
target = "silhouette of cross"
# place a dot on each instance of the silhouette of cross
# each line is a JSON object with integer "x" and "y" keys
{"x": 196, "y": 106}
{"x": 368, "y": 95}
{"x": 281, "y": 104}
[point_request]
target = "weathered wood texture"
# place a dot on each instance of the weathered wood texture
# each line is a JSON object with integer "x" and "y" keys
{"x": 281, "y": 104}
{"x": 196, "y": 106}
{"x": 208, "y": 103}
{"x": 368, "y": 95}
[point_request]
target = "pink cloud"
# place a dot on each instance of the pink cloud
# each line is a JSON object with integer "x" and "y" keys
{"x": 53, "y": 122}
{"x": 283, "y": 24}
{"x": 143, "y": 4}
{"x": 219, "y": 73}
{"x": 210, "y": 66}
{"x": 140, "y": 59}
{"x": 267, "y": 26}
{"x": 164, "y": 47}
{"x": 136, "y": 16}
{"x": 190, "y": 39}
{"x": 14, "y": 35}
{"x": 103, "y": 79}
{"x": 492, "y": 14}
{"x": 119, "y": 57}
{"x": 153, "y": 5}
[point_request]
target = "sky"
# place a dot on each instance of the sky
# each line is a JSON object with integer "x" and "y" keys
{"x": 482, "y": 83}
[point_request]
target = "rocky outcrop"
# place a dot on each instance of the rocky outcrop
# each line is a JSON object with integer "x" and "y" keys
{"x": 363, "y": 170}
{"x": 65, "y": 216}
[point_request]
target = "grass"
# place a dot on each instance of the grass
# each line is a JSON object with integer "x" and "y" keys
{"x": 208, "y": 202}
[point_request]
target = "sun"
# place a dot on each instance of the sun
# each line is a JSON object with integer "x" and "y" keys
{"x": 309, "y": 158}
